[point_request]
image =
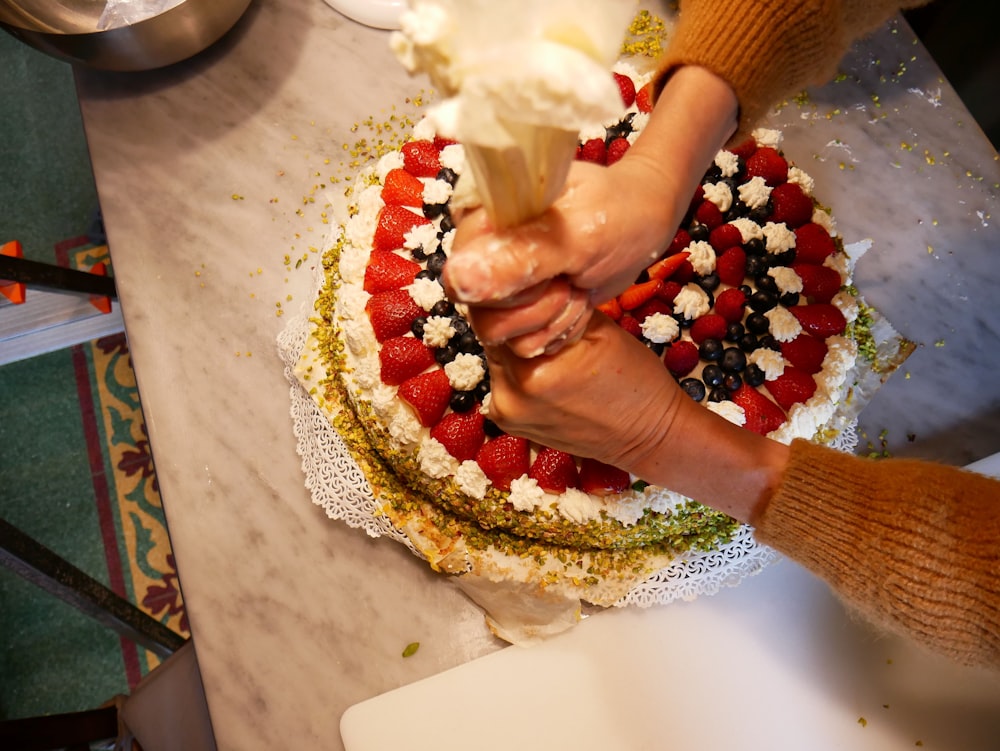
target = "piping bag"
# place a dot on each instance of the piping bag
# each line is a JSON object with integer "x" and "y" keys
{"x": 520, "y": 80}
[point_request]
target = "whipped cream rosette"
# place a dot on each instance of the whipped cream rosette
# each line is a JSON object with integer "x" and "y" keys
{"x": 521, "y": 79}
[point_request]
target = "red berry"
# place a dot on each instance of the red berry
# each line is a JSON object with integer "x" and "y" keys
{"x": 791, "y": 205}
{"x": 731, "y": 266}
{"x": 402, "y": 189}
{"x": 387, "y": 270}
{"x": 402, "y": 357}
{"x": 616, "y": 150}
{"x": 681, "y": 357}
{"x": 594, "y": 151}
{"x": 819, "y": 283}
{"x": 440, "y": 142}
{"x": 420, "y": 158}
{"x": 626, "y": 87}
{"x": 730, "y": 304}
{"x": 813, "y": 244}
{"x": 630, "y": 324}
{"x": 744, "y": 149}
{"x": 820, "y": 319}
{"x": 684, "y": 273}
{"x": 725, "y": 236}
{"x": 392, "y": 225}
{"x": 504, "y": 459}
{"x": 709, "y": 326}
{"x": 598, "y": 478}
{"x": 644, "y": 98}
{"x": 669, "y": 291}
{"x": 805, "y": 352}
{"x": 708, "y": 214}
{"x": 391, "y": 313}
{"x": 652, "y": 307}
{"x": 554, "y": 471}
{"x": 768, "y": 164}
{"x": 681, "y": 240}
{"x": 791, "y": 387}
{"x": 461, "y": 433}
{"x": 762, "y": 415}
{"x": 429, "y": 394}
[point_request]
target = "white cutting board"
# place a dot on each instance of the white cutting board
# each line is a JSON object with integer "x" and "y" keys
{"x": 773, "y": 664}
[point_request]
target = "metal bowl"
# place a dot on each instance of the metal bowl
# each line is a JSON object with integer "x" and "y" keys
{"x": 69, "y": 30}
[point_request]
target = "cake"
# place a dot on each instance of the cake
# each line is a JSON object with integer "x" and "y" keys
{"x": 750, "y": 308}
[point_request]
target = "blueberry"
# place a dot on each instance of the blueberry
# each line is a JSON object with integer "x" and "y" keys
{"x": 760, "y": 214}
{"x": 747, "y": 342}
{"x": 732, "y": 382}
{"x": 734, "y": 332}
{"x": 694, "y": 388}
{"x": 459, "y": 325}
{"x": 746, "y": 289}
{"x": 712, "y": 375}
{"x": 756, "y": 265}
{"x": 417, "y": 326}
{"x": 443, "y": 308}
{"x": 448, "y": 175}
{"x": 768, "y": 342}
{"x": 754, "y": 247}
{"x": 753, "y": 375}
{"x": 757, "y": 323}
{"x": 762, "y": 301}
{"x": 491, "y": 429}
{"x": 425, "y": 274}
{"x": 784, "y": 258}
{"x": 656, "y": 347}
{"x": 733, "y": 360}
{"x": 789, "y": 299}
{"x": 709, "y": 282}
{"x": 710, "y": 349}
{"x": 418, "y": 254}
{"x": 766, "y": 283}
{"x": 467, "y": 343}
{"x": 462, "y": 401}
{"x": 718, "y": 395}
{"x": 446, "y": 354}
{"x": 435, "y": 262}
{"x": 482, "y": 389}
{"x": 699, "y": 233}
{"x": 447, "y": 224}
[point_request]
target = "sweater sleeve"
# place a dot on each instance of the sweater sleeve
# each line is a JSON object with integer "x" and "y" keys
{"x": 913, "y": 546}
{"x": 768, "y": 49}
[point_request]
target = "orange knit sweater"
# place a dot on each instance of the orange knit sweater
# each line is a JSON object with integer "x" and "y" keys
{"x": 913, "y": 546}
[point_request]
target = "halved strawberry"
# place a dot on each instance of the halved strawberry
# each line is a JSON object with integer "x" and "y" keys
{"x": 554, "y": 471}
{"x": 644, "y": 98}
{"x": 730, "y": 304}
{"x": 598, "y": 478}
{"x": 820, "y": 319}
{"x": 791, "y": 387}
{"x": 790, "y": 205}
{"x": 461, "y": 433}
{"x": 503, "y": 459}
{"x": 731, "y": 266}
{"x": 594, "y": 150}
{"x": 725, "y": 236}
{"x": 639, "y": 293}
{"x": 610, "y": 308}
{"x": 805, "y": 352}
{"x": 428, "y": 393}
{"x": 420, "y": 158}
{"x": 392, "y": 225}
{"x": 651, "y": 307}
{"x": 682, "y": 238}
{"x": 402, "y": 189}
{"x": 708, "y": 214}
{"x": 681, "y": 357}
{"x": 631, "y": 324}
{"x": 768, "y": 164}
{"x": 684, "y": 273}
{"x": 666, "y": 266}
{"x": 813, "y": 244}
{"x": 709, "y": 326}
{"x": 671, "y": 288}
{"x": 616, "y": 150}
{"x": 387, "y": 270}
{"x": 440, "y": 142}
{"x": 744, "y": 149}
{"x": 819, "y": 283}
{"x": 402, "y": 357}
{"x": 762, "y": 415}
{"x": 626, "y": 87}
{"x": 391, "y": 313}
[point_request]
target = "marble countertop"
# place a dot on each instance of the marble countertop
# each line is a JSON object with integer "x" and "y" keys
{"x": 214, "y": 177}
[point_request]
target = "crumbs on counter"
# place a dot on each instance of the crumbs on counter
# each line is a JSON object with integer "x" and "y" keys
{"x": 863, "y": 722}
{"x": 411, "y": 649}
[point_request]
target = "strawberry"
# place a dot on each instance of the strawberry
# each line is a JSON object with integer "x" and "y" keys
{"x": 616, "y": 150}
{"x": 392, "y": 225}
{"x": 790, "y": 205}
{"x": 387, "y": 270}
{"x": 725, "y": 236}
{"x": 666, "y": 266}
{"x": 730, "y": 304}
{"x": 684, "y": 273}
{"x": 420, "y": 158}
{"x": 762, "y": 415}
{"x": 610, "y": 308}
{"x": 744, "y": 149}
{"x": 626, "y": 87}
{"x": 639, "y": 293}
{"x": 440, "y": 142}
{"x": 791, "y": 387}
{"x": 682, "y": 238}
{"x": 709, "y": 326}
{"x": 402, "y": 189}
{"x": 769, "y": 164}
{"x": 681, "y": 357}
{"x": 461, "y": 433}
{"x": 805, "y": 352}
{"x": 631, "y": 324}
{"x": 731, "y": 266}
{"x": 503, "y": 459}
{"x": 819, "y": 283}
{"x": 598, "y": 478}
{"x": 594, "y": 151}
{"x": 651, "y": 307}
{"x": 813, "y": 244}
{"x": 644, "y": 98}
{"x": 391, "y": 313}
{"x": 820, "y": 319}
{"x": 428, "y": 393}
{"x": 402, "y": 357}
{"x": 669, "y": 290}
{"x": 708, "y": 214}
{"x": 554, "y": 471}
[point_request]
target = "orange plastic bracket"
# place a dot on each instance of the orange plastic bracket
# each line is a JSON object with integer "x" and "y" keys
{"x": 13, "y": 291}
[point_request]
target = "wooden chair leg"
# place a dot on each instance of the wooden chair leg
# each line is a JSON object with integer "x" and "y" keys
{"x": 74, "y": 730}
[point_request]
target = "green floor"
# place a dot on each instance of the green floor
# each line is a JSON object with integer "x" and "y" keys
{"x": 52, "y": 658}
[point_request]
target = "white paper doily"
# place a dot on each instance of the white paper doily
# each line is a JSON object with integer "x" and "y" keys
{"x": 339, "y": 486}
